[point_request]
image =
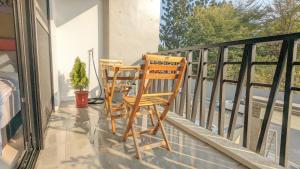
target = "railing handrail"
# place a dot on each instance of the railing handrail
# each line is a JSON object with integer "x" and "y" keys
{"x": 263, "y": 39}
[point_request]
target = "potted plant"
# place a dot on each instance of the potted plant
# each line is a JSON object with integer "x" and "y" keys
{"x": 79, "y": 82}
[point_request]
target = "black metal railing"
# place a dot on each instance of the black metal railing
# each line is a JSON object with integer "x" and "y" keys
{"x": 191, "y": 104}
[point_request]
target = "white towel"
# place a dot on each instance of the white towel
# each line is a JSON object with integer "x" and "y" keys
{"x": 10, "y": 103}
{"x": 5, "y": 91}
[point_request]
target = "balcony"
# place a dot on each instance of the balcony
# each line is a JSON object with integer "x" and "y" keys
{"x": 215, "y": 121}
{"x": 225, "y": 115}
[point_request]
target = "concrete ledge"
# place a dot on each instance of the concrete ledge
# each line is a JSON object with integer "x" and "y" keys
{"x": 238, "y": 153}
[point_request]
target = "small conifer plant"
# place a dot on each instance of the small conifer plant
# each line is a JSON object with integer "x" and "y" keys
{"x": 79, "y": 80}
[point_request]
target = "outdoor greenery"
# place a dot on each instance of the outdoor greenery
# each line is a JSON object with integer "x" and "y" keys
{"x": 78, "y": 77}
{"x": 193, "y": 22}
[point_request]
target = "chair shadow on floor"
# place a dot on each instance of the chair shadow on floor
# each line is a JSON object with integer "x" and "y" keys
{"x": 88, "y": 162}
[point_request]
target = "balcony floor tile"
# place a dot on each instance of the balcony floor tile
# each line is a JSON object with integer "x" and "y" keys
{"x": 82, "y": 138}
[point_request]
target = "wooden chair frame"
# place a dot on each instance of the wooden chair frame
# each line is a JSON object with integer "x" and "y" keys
{"x": 155, "y": 68}
{"x": 112, "y": 85}
{"x": 104, "y": 64}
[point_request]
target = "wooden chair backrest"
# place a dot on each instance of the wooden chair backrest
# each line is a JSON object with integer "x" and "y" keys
{"x": 115, "y": 75}
{"x": 103, "y": 66}
{"x": 158, "y": 67}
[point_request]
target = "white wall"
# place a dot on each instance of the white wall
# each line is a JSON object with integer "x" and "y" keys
{"x": 76, "y": 27}
{"x": 115, "y": 29}
{"x": 54, "y": 56}
{"x": 133, "y": 28}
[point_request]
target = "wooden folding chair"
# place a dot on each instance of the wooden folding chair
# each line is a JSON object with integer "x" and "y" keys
{"x": 104, "y": 64}
{"x": 116, "y": 82}
{"x": 155, "y": 68}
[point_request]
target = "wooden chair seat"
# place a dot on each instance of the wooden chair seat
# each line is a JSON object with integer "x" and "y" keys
{"x": 145, "y": 101}
{"x": 116, "y": 109}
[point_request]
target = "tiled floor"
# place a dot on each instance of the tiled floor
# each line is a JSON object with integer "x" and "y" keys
{"x": 12, "y": 151}
{"x": 72, "y": 143}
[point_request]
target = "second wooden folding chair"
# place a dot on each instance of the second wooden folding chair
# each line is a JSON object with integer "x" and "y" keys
{"x": 114, "y": 83}
{"x": 104, "y": 65}
{"x": 155, "y": 68}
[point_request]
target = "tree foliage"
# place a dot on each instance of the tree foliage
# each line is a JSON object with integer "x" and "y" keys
{"x": 194, "y": 22}
{"x": 174, "y": 23}
{"x": 283, "y": 17}
{"x": 216, "y": 23}
{"x": 78, "y": 77}
{"x": 191, "y": 22}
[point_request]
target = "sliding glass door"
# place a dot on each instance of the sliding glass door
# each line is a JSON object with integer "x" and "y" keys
{"x": 12, "y": 112}
{"x": 25, "y": 80}
{"x": 43, "y": 59}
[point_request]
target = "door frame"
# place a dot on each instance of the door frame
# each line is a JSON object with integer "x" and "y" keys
{"x": 25, "y": 20}
{"x": 35, "y": 19}
{"x": 26, "y": 43}
{"x": 26, "y": 84}
{"x": 46, "y": 27}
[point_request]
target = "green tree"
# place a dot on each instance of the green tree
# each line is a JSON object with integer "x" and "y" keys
{"x": 215, "y": 23}
{"x": 174, "y": 23}
{"x": 283, "y": 17}
{"x": 252, "y": 14}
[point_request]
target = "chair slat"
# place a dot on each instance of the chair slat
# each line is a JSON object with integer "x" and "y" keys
{"x": 160, "y": 76}
{"x": 163, "y": 67}
{"x": 111, "y": 61}
{"x": 157, "y": 94}
{"x": 123, "y": 78}
{"x": 164, "y": 59}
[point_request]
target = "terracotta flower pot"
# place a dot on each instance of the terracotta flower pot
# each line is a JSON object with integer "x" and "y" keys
{"x": 81, "y": 99}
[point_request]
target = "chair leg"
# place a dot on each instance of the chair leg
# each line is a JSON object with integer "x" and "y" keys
{"x": 126, "y": 110}
{"x": 109, "y": 109}
{"x": 165, "y": 136}
{"x": 126, "y": 132}
{"x": 125, "y": 135}
{"x": 113, "y": 125}
{"x": 161, "y": 126}
{"x": 136, "y": 143}
{"x": 157, "y": 116}
{"x": 151, "y": 116}
{"x": 105, "y": 107}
